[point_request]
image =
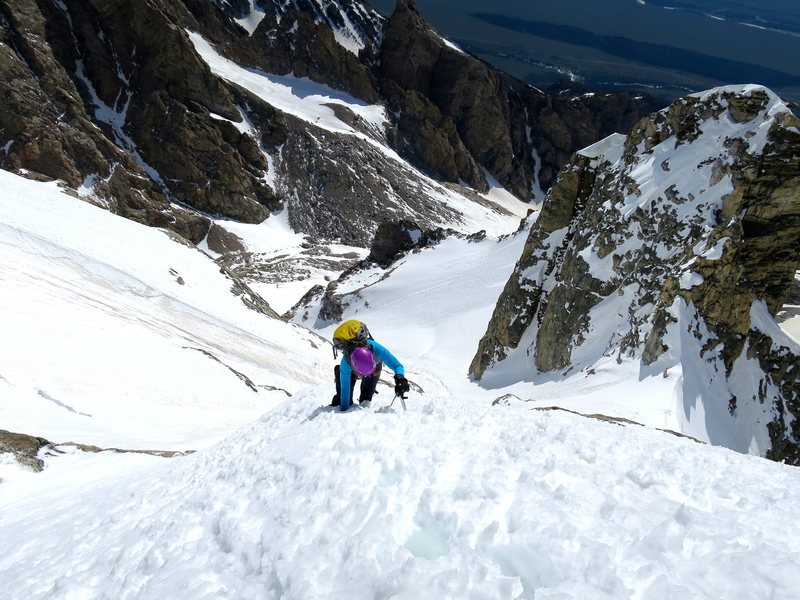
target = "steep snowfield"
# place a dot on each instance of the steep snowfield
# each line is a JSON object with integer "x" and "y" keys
{"x": 432, "y": 309}
{"x": 114, "y": 334}
{"x": 443, "y": 501}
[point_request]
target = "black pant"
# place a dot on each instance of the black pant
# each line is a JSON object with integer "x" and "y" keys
{"x": 368, "y": 385}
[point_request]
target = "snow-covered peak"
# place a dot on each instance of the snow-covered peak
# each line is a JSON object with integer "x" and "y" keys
{"x": 745, "y": 111}
{"x": 354, "y": 24}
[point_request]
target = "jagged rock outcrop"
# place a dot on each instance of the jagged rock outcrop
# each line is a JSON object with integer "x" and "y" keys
{"x": 326, "y": 200}
{"x": 393, "y": 238}
{"x": 691, "y": 223}
{"x": 24, "y": 448}
{"x": 330, "y": 41}
{"x": 396, "y": 238}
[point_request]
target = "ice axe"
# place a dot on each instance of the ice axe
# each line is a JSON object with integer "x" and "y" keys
{"x": 401, "y": 387}
{"x": 402, "y": 400}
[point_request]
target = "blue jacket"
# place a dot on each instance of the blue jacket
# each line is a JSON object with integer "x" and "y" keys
{"x": 346, "y": 371}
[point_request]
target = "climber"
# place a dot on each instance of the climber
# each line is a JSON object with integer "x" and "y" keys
{"x": 362, "y": 358}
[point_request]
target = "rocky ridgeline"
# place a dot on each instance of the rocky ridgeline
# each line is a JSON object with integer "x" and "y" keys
{"x": 112, "y": 96}
{"x": 680, "y": 240}
{"x": 30, "y": 451}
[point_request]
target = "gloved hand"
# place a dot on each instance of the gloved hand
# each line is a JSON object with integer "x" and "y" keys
{"x": 401, "y": 385}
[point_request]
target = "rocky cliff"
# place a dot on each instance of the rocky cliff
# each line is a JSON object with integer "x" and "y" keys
{"x": 461, "y": 118}
{"x": 677, "y": 243}
{"x": 113, "y": 98}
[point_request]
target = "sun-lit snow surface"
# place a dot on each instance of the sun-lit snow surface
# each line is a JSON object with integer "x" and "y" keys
{"x": 252, "y": 18}
{"x": 113, "y": 334}
{"x": 790, "y": 317}
{"x": 442, "y": 501}
{"x": 300, "y": 97}
{"x": 275, "y": 240}
{"x": 432, "y": 310}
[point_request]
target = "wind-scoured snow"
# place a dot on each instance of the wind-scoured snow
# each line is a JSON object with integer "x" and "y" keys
{"x": 300, "y": 97}
{"x": 274, "y": 240}
{"x": 757, "y": 136}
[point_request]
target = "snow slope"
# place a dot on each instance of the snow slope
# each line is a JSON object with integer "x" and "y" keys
{"x": 295, "y": 262}
{"x": 431, "y": 310}
{"x": 116, "y": 335}
{"x": 442, "y": 501}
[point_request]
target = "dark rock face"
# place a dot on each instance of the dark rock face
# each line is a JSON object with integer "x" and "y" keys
{"x": 395, "y": 238}
{"x": 222, "y": 241}
{"x": 301, "y": 38}
{"x": 457, "y": 114}
{"x": 519, "y": 304}
{"x": 693, "y": 222}
{"x": 392, "y": 238}
{"x": 564, "y": 123}
{"x": 326, "y": 200}
{"x": 115, "y": 90}
{"x": 45, "y": 128}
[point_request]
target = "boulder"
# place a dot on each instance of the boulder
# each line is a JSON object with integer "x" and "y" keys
{"x": 393, "y": 238}
{"x": 25, "y": 448}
